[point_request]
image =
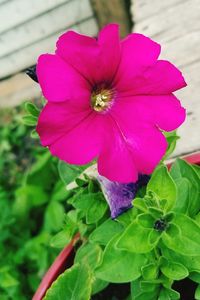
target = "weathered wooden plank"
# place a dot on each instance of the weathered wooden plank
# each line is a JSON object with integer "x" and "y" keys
{"x": 175, "y": 24}
{"x": 23, "y": 10}
{"x": 43, "y": 26}
{"x": 23, "y": 58}
{"x": 19, "y": 87}
{"x": 143, "y": 9}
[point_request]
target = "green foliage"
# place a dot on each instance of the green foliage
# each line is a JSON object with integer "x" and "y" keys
{"x": 73, "y": 284}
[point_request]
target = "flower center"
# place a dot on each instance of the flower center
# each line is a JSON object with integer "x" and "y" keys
{"x": 101, "y": 100}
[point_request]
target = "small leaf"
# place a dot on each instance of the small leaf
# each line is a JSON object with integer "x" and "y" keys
{"x": 186, "y": 241}
{"x": 171, "y": 138}
{"x": 119, "y": 266}
{"x": 150, "y": 271}
{"x": 32, "y": 109}
{"x": 146, "y": 220}
{"x": 73, "y": 284}
{"x": 29, "y": 120}
{"x": 173, "y": 270}
{"x": 163, "y": 186}
{"x": 168, "y": 294}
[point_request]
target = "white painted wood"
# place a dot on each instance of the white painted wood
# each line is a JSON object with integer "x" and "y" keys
{"x": 175, "y": 24}
{"x": 19, "y": 87}
{"x": 15, "y": 12}
{"x": 40, "y": 27}
{"x": 27, "y": 57}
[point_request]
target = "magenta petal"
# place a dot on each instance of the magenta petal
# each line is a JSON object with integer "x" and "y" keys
{"x": 96, "y": 60}
{"x": 56, "y": 119}
{"x": 60, "y": 82}
{"x": 115, "y": 160}
{"x": 137, "y": 53}
{"x": 82, "y": 143}
{"x": 161, "y": 78}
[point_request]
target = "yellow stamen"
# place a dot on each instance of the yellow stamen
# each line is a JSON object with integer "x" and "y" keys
{"x": 101, "y": 100}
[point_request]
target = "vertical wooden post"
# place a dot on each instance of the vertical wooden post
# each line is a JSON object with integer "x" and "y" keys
{"x": 113, "y": 11}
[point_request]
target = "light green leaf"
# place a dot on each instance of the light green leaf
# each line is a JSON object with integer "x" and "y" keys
{"x": 105, "y": 232}
{"x": 187, "y": 241}
{"x": 173, "y": 270}
{"x": 29, "y": 120}
{"x": 73, "y": 284}
{"x": 181, "y": 169}
{"x": 61, "y": 239}
{"x": 136, "y": 238}
{"x": 197, "y": 293}
{"x": 89, "y": 254}
{"x": 150, "y": 271}
{"x": 192, "y": 263}
{"x": 163, "y": 186}
{"x": 172, "y": 138}
{"x": 119, "y": 266}
{"x": 146, "y": 220}
{"x": 137, "y": 293}
{"x": 168, "y": 294}
{"x": 32, "y": 109}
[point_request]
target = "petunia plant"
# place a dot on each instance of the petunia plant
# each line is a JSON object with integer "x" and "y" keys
{"x": 110, "y": 117}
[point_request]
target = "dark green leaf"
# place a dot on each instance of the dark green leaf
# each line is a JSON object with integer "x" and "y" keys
{"x": 32, "y": 109}
{"x": 29, "y": 120}
{"x": 68, "y": 172}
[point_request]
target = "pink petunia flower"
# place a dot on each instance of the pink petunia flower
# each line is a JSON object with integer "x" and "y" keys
{"x": 109, "y": 99}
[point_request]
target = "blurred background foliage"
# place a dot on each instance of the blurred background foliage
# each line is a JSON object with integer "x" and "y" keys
{"x": 32, "y": 206}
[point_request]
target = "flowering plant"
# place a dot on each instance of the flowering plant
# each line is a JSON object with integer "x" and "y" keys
{"x": 112, "y": 101}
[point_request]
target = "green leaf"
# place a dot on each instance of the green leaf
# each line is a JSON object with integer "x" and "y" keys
{"x": 173, "y": 270}
{"x": 138, "y": 294}
{"x": 119, "y": 266}
{"x": 168, "y": 294}
{"x": 68, "y": 173}
{"x": 135, "y": 238}
{"x": 192, "y": 263}
{"x": 183, "y": 196}
{"x": 61, "y": 239}
{"x": 54, "y": 216}
{"x": 163, "y": 186}
{"x": 181, "y": 169}
{"x": 187, "y": 241}
{"x": 197, "y": 293}
{"x": 35, "y": 194}
{"x": 150, "y": 271}
{"x": 194, "y": 276}
{"x": 98, "y": 285}
{"x": 34, "y": 134}
{"x": 32, "y": 109}
{"x": 140, "y": 204}
{"x": 172, "y": 138}
{"x": 73, "y": 284}
{"x": 89, "y": 254}
{"x": 105, "y": 232}
{"x": 94, "y": 206}
{"x": 29, "y": 120}
{"x": 146, "y": 221}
